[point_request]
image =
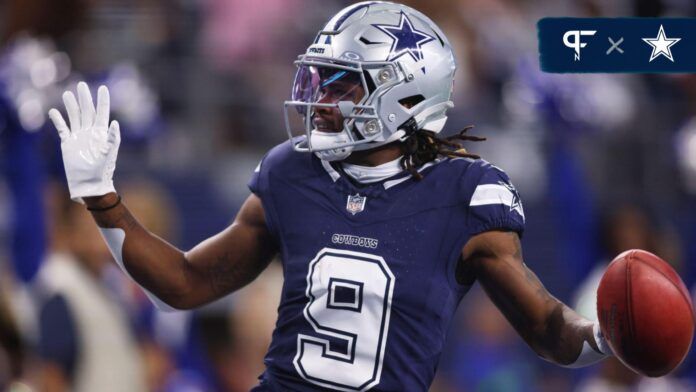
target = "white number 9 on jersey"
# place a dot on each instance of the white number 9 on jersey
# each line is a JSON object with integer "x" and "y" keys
{"x": 350, "y": 296}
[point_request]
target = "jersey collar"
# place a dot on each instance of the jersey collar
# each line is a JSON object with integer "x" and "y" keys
{"x": 387, "y": 183}
{"x": 372, "y": 174}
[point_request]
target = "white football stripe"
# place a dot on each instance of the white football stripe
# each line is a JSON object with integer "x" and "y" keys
{"x": 491, "y": 194}
{"x": 488, "y": 194}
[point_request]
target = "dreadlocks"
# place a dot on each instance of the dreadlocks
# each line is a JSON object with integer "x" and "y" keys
{"x": 425, "y": 146}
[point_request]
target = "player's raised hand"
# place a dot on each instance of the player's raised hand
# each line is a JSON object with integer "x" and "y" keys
{"x": 90, "y": 144}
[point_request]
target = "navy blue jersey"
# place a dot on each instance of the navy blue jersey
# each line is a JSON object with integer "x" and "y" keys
{"x": 370, "y": 285}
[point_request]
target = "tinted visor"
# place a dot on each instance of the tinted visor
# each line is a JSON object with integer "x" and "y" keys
{"x": 326, "y": 85}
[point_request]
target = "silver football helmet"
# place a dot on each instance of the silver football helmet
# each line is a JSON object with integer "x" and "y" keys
{"x": 376, "y": 72}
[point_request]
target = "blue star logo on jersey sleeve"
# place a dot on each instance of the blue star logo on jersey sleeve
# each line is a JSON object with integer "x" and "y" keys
{"x": 516, "y": 204}
{"x": 406, "y": 39}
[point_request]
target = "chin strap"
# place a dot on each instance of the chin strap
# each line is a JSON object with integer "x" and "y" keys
{"x": 323, "y": 140}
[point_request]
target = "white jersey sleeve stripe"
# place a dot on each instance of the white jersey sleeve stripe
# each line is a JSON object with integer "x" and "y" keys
{"x": 491, "y": 194}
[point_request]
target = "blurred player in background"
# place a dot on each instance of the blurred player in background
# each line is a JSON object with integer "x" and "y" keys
{"x": 35, "y": 68}
{"x": 91, "y": 336}
{"x": 381, "y": 224}
{"x": 86, "y": 339}
{"x": 12, "y": 350}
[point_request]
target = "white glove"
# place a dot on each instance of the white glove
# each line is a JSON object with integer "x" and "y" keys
{"x": 89, "y": 147}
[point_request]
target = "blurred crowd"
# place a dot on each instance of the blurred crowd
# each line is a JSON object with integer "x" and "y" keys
{"x": 604, "y": 163}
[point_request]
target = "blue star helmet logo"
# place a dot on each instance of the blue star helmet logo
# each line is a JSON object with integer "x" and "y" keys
{"x": 406, "y": 39}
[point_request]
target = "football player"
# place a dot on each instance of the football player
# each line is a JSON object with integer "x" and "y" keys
{"x": 381, "y": 225}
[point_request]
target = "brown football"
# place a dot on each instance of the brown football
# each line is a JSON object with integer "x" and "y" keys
{"x": 645, "y": 313}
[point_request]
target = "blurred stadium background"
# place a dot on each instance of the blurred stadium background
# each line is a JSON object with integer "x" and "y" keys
{"x": 603, "y": 163}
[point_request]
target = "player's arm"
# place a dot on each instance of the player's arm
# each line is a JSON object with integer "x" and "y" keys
{"x": 553, "y": 330}
{"x": 181, "y": 280}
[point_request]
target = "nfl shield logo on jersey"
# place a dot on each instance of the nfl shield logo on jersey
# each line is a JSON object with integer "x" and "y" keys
{"x": 356, "y": 203}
